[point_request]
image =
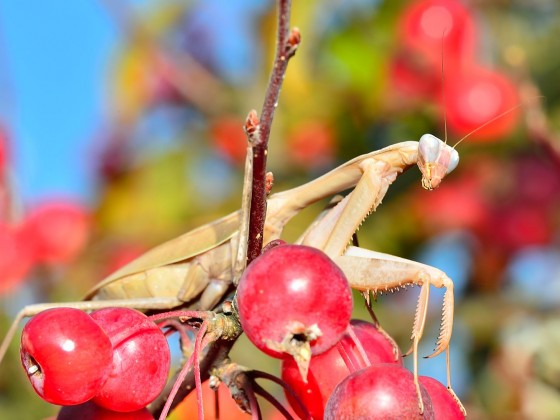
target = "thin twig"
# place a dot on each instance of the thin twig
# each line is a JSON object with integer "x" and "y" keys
{"x": 197, "y": 380}
{"x": 220, "y": 337}
{"x": 259, "y": 390}
{"x": 286, "y": 44}
{"x": 539, "y": 129}
{"x": 256, "y": 374}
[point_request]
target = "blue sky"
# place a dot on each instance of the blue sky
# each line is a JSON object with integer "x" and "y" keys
{"x": 54, "y": 58}
{"x": 54, "y": 61}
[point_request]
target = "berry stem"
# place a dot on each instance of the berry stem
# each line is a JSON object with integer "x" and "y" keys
{"x": 259, "y": 390}
{"x": 286, "y": 44}
{"x": 221, "y": 334}
{"x": 196, "y": 357}
{"x": 255, "y": 374}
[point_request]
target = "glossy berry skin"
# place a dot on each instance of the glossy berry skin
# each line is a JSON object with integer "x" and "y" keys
{"x": 66, "y": 354}
{"x": 445, "y": 406}
{"x": 289, "y": 289}
{"x": 384, "y": 391}
{"x": 328, "y": 369}
{"x": 141, "y": 359}
{"x": 91, "y": 411}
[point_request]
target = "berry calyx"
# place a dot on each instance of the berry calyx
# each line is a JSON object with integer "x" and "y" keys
{"x": 66, "y": 355}
{"x": 140, "y": 363}
{"x": 283, "y": 309}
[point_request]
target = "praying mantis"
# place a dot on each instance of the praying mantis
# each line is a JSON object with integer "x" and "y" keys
{"x": 196, "y": 269}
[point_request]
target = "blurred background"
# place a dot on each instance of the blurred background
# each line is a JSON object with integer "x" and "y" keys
{"x": 121, "y": 127}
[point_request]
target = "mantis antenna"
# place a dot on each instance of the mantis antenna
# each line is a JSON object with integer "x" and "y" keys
{"x": 443, "y": 90}
{"x": 489, "y": 122}
{"x": 443, "y": 93}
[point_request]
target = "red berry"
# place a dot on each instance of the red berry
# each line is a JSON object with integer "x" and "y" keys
{"x": 477, "y": 95}
{"x": 229, "y": 138}
{"x": 312, "y": 145}
{"x": 445, "y": 406}
{"x": 519, "y": 225}
{"x": 13, "y": 247}
{"x": 141, "y": 359}
{"x": 413, "y": 77}
{"x": 293, "y": 294}
{"x": 91, "y": 411}
{"x": 58, "y": 231}
{"x": 384, "y": 391}
{"x": 426, "y": 24}
{"x": 66, "y": 355}
{"x": 459, "y": 204}
{"x": 328, "y": 369}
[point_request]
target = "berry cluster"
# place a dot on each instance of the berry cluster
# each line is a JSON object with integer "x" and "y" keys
{"x": 337, "y": 368}
{"x": 114, "y": 360}
{"x": 437, "y": 32}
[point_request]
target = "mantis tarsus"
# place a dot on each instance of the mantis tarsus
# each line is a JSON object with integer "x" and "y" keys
{"x": 196, "y": 269}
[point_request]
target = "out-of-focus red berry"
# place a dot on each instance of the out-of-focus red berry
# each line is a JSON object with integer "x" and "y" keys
{"x": 311, "y": 144}
{"x": 545, "y": 191}
{"x": 16, "y": 258}
{"x": 229, "y": 138}
{"x": 425, "y": 24}
{"x": 57, "y": 231}
{"x": 518, "y": 225}
{"x": 476, "y": 96}
{"x": 457, "y": 203}
{"x": 413, "y": 78}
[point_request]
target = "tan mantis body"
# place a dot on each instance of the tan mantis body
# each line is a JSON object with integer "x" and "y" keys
{"x": 196, "y": 269}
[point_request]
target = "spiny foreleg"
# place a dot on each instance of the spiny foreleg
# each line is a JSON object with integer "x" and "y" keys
{"x": 377, "y": 272}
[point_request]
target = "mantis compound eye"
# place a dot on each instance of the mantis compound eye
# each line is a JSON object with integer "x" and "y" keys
{"x": 429, "y": 147}
{"x": 453, "y": 161}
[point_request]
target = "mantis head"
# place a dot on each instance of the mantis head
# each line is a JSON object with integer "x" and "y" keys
{"x": 435, "y": 160}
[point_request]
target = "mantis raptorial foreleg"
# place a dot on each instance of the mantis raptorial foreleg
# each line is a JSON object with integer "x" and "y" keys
{"x": 377, "y": 272}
